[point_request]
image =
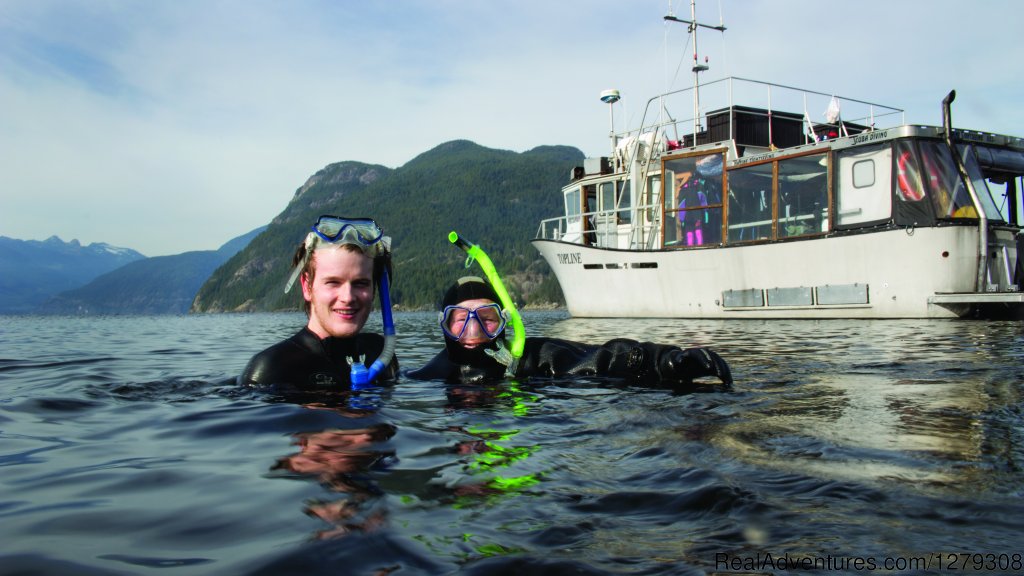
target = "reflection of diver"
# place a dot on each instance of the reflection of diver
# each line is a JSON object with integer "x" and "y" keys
{"x": 489, "y": 454}
{"x": 474, "y": 327}
{"x": 337, "y": 458}
{"x": 488, "y": 451}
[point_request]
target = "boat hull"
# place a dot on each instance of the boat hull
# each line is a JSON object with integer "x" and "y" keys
{"x": 914, "y": 273}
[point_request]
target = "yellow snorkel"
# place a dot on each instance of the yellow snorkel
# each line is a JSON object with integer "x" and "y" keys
{"x": 476, "y": 253}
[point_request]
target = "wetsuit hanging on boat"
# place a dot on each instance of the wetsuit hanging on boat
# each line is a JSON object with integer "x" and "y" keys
{"x": 642, "y": 362}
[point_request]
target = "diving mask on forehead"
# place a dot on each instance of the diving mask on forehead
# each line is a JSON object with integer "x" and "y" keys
{"x": 335, "y": 231}
{"x": 362, "y": 232}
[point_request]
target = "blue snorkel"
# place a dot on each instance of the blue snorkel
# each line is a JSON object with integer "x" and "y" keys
{"x": 474, "y": 252}
{"x": 361, "y": 376}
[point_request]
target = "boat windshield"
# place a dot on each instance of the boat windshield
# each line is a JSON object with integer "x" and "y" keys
{"x": 948, "y": 193}
{"x": 1009, "y": 159}
{"x": 931, "y": 171}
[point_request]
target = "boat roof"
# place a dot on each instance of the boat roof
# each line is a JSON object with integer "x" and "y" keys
{"x": 760, "y": 129}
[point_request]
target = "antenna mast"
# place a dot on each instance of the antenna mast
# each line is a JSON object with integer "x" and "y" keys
{"x": 610, "y": 97}
{"x": 692, "y": 26}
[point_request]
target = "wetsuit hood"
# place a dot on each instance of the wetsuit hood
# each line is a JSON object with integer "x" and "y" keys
{"x": 470, "y": 288}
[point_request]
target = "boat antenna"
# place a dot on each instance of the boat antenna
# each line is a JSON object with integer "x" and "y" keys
{"x": 697, "y": 66}
{"x": 610, "y": 97}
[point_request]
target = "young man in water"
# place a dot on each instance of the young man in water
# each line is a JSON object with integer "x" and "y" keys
{"x": 473, "y": 324}
{"x": 338, "y": 266}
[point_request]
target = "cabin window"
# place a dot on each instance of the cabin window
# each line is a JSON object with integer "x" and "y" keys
{"x": 980, "y": 186}
{"x": 670, "y": 211}
{"x": 940, "y": 175}
{"x": 910, "y": 208}
{"x": 572, "y": 207}
{"x": 1001, "y": 168}
{"x": 653, "y": 196}
{"x": 625, "y": 203}
{"x": 649, "y": 225}
{"x": 909, "y": 186}
{"x": 615, "y": 201}
{"x": 605, "y": 223}
{"x": 750, "y": 203}
{"x": 868, "y": 200}
{"x": 589, "y": 211}
{"x": 693, "y": 202}
{"x": 607, "y": 196}
{"x": 864, "y": 173}
{"x": 803, "y": 196}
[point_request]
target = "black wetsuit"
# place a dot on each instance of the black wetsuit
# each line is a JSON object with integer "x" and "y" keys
{"x": 644, "y": 362}
{"x": 306, "y": 362}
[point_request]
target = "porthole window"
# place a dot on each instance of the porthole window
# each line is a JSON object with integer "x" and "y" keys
{"x": 864, "y": 174}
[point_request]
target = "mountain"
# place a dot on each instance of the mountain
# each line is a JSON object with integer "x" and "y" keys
{"x": 32, "y": 271}
{"x": 159, "y": 285}
{"x": 494, "y": 198}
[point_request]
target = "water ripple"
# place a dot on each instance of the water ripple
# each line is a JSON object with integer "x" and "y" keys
{"x": 131, "y": 443}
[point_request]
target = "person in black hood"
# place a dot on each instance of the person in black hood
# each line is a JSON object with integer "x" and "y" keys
{"x": 473, "y": 324}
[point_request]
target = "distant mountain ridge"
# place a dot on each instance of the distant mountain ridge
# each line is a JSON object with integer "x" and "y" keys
{"x": 31, "y": 271}
{"x": 494, "y": 198}
{"x": 159, "y": 285}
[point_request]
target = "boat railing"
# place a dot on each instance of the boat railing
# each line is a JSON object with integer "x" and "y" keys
{"x": 552, "y": 228}
{"x": 819, "y": 110}
{"x": 639, "y": 229}
{"x": 618, "y": 228}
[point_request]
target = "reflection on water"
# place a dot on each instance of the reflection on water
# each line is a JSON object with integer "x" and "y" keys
{"x": 895, "y": 402}
{"x": 339, "y": 459}
{"x": 128, "y": 449}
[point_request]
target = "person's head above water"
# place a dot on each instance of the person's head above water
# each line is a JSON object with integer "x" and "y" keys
{"x": 341, "y": 265}
{"x": 338, "y": 265}
{"x": 470, "y": 313}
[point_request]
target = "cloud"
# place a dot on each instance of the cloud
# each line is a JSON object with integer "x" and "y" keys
{"x": 176, "y": 125}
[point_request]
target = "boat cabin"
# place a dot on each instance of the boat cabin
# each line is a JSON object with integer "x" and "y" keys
{"x": 761, "y": 176}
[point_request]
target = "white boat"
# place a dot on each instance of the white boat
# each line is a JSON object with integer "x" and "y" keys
{"x": 756, "y": 211}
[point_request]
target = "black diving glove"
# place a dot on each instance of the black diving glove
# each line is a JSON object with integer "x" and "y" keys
{"x": 694, "y": 363}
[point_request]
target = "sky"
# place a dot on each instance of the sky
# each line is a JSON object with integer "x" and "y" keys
{"x": 175, "y": 125}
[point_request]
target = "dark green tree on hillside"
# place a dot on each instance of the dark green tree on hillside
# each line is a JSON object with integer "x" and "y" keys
{"x": 494, "y": 198}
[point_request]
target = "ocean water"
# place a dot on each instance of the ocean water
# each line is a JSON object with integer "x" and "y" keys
{"x": 847, "y": 446}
